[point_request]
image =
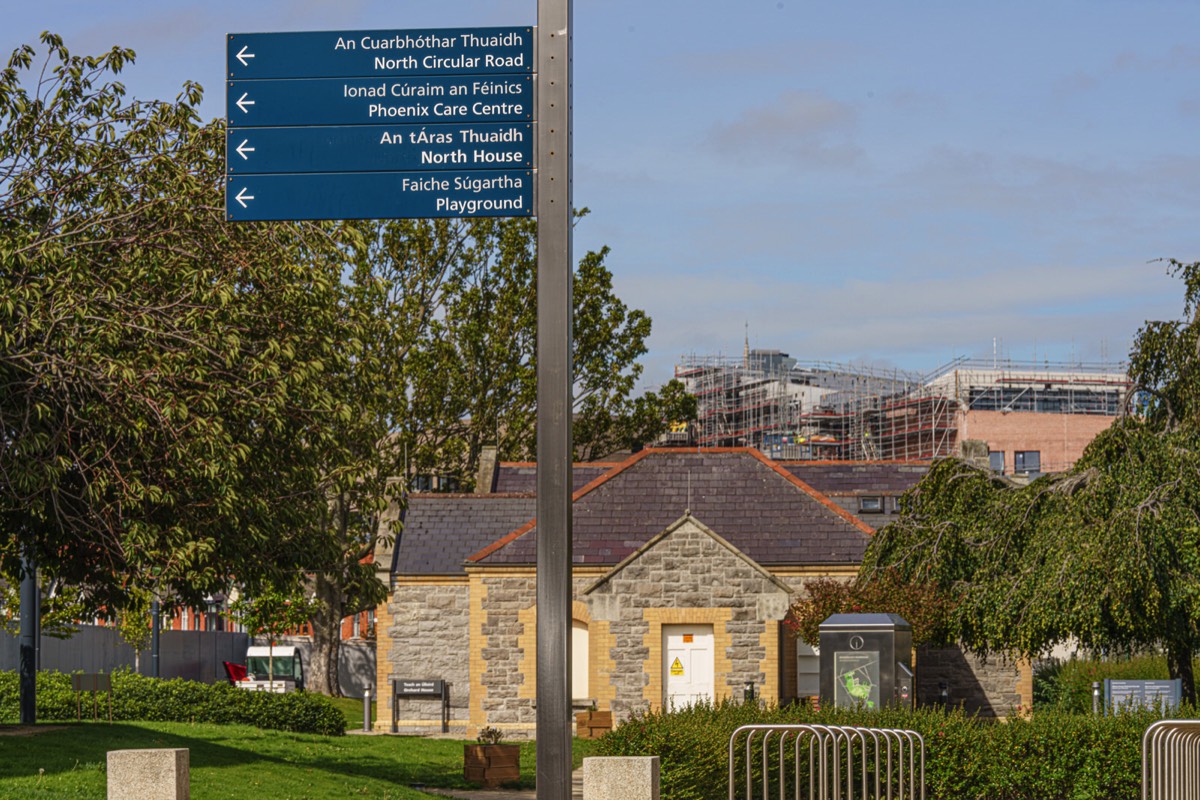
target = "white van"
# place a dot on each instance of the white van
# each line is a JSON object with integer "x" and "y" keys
{"x": 288, "y": 668}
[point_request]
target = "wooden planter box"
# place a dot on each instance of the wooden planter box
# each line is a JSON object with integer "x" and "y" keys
{"x": 492, "y": 764}
{"x": 593, "y": 724}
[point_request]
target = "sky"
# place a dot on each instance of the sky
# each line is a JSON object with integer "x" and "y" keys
{"x": 872, "y": 182}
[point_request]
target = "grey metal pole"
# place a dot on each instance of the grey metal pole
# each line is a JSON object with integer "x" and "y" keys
{"x": 155, "y": 630}
{"x": 37, "y": 619}
{"x": 27, "y": 644}
{"x": 554, "y": 400}
{"x": 367, "y": 710}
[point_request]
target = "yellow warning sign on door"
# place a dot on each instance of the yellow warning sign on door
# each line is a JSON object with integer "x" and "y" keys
{"x": 676, "y": 667}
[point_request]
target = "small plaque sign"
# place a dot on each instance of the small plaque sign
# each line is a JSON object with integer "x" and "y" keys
{"x": 1121, "y": 694}
{"x": 420, "y": 688}
{"x": 403, "y": 688}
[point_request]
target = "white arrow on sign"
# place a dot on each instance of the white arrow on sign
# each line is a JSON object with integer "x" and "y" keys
{"x": 242, "y": 149}
{"x": 243, "y": 55}
{"x": 242, "y": 197}
{"x": 243, "y": 102}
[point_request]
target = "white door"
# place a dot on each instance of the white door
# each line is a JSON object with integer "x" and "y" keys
{"x": 687, "y": 664}
{"x": 579, "y": 661}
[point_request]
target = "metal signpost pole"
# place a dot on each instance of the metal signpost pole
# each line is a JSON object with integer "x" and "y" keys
{"x": 155, "y": 641}
{"x": 27, "y": 654}
{"x": 554, "y": 401}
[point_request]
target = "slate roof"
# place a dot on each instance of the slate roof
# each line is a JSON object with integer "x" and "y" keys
{"x": 858, "y": 477}
{"x": 515, "y": 478}
{"x": 756, "y": 505}
{"x": 441, "y": 530}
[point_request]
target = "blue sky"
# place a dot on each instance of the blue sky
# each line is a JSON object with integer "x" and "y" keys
{"x": 894, "y": 183}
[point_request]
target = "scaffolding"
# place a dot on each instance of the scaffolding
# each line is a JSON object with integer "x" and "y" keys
{"x": 831, "y": 411}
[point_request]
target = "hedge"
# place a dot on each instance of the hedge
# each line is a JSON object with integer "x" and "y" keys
{"x": 1048, "y": 756}
{"x": 136, "y": 697}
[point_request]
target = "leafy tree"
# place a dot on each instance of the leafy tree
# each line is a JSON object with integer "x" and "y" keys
{"x": 134, "y": 625}
{"x": 167, "y": 416}
{"x": 461, "y": 303}
{"x": 922, "y": 605}
{"x": 271, "y": 613}
{"x": 1107, "y": 554}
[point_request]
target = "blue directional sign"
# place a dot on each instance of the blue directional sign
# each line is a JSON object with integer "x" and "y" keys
{"x": 334, "y": 54}
{"x": 380, "y": 195}
{"x": 378, "y": 148}
{"x": 368, "y": 101}
{"x": 380, "y": 124}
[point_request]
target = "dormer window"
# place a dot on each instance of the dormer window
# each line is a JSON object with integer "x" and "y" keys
{"x": 870, "y": 504}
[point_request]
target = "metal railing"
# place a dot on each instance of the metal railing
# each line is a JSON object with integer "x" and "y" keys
{"x": 1171, "y": 760}
{"x": 833, "y": 762}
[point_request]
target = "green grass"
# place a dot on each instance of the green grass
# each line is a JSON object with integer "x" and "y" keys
{"x": 238, "y": 761}
{"x": 351, "y": 708}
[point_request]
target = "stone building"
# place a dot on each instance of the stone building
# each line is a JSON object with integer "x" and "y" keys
{"x": 685, "y": 565}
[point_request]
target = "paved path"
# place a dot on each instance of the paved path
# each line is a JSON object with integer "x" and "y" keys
{"x": 506, "y": 794}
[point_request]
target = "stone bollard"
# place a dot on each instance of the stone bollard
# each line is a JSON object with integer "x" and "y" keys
{"x": 149, "y": 774}
{"x": 620, "y": 778}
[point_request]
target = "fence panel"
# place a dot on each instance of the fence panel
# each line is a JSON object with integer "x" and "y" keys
{"x": 826, "y": 762}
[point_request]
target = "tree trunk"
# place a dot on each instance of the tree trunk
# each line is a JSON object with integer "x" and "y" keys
{"x": 1179, "y": 664}
{"x": 327, "y": 638}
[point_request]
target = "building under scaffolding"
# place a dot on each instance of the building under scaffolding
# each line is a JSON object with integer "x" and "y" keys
{"x": 825, "y": 411}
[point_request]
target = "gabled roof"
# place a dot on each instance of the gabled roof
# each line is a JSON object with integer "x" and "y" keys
{"x": 760, "y": 508}
{"x": 440, "y": 530}
{"x": 858, "y": 477}
{"x": 521, "y": 477}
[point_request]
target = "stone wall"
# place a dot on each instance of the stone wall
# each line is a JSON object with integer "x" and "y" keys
{"x": 507, "y": 690}
{"x": 503, "y": 653}
{"x": 428, "y": 630}
{"x": 689, "y": 576}
{"x": 995, "y": 688}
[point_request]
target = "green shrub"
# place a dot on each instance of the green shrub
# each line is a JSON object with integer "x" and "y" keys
{"x": 136, "y": 697}
{"x": 1067, "y": 685}
{"x": 1049, "y": 756}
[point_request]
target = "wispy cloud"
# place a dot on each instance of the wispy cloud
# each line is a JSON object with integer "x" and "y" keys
{"x": 800, "y": 125}
{"x": 1176, "y": 57}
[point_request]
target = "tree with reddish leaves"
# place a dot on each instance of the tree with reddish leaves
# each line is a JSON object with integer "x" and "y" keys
{"x": 922, "y": 605}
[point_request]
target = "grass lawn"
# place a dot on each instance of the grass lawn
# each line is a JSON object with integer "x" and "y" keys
{"x": 236, "y": 761}
{"x": 351, "y": 708}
